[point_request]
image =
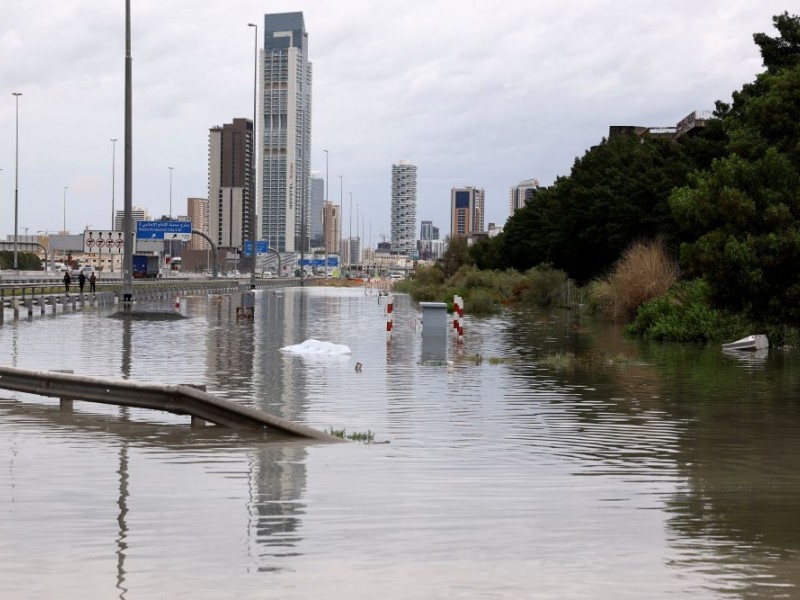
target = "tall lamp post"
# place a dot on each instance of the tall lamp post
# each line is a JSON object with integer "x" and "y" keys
{"x": 16, "y": 178}
{"x": 341, "y": 195}
{"x": 170, "y": 218}
{"x": 65, "y": 210}
{"x": 252, "y": 235}
{"x": 324, "y": 218}
{"x": 350, "y": 234}
{"x": 113, "y": 181}
{"x": 170, "y": 192}
{"x": 113, "y": 190}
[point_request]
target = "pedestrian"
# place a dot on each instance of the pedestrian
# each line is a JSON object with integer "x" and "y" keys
{"x": 92, "y": 282}
{"x": 67, "y": 279}
{"x": 81, "y": 280}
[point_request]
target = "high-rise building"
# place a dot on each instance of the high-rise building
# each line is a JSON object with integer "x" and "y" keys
{"x": 197, "y": 209}
{"x": 230, "y": 183}
{"x": 316, "y": 213}
{"x": 138, "y": 214}
{"x": 466, "y": 211}
{"x": 520, "y": 194}
{"x": 285, "y": 134}
{"x": 333, "y": 227}
{"x": 428, "y": 232}
{"x": 404, "y": 208}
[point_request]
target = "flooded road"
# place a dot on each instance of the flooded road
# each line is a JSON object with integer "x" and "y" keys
{"x": 670, "y": 472}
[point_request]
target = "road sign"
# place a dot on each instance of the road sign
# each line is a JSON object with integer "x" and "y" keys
{"x": 261, "y": 247}
{"x": 164, "y": 230}
{"x": 103, "y": 241}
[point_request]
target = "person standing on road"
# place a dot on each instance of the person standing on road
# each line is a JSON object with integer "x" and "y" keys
{"x": 67, "y": 280}
{"x": 92, "y": 282}
{"x": 81, "y": 280}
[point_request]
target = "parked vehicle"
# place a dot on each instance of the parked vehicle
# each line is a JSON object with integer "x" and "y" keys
{"x": 145, "y": 266}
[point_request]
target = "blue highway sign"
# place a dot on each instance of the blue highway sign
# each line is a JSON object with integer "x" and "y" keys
{"x": 164, "y": 230}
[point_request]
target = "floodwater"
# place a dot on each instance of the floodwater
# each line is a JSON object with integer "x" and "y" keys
{"x": 670, "y": 473}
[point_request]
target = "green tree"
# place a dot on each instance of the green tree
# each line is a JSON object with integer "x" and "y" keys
{"x": 742, "y": 217}
{"x": 616, "y": 194}
{"x": 456, "y": 255}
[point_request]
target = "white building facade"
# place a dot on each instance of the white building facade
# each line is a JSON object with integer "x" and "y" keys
{"x": 404, "y": 208}
{"x": 521, "y": 193}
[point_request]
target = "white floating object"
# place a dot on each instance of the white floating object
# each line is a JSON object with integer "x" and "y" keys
{"x": 317, "y": 348}
{"x": 751, "y": 342}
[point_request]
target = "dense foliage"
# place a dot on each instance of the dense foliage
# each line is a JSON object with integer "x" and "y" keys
{"x": 26, "y": 261}
{"x": 741, "y": 218}
{"x": 617, "y": 193}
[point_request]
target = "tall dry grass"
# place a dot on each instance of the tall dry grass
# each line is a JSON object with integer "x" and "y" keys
{"x": 645, "y": 271}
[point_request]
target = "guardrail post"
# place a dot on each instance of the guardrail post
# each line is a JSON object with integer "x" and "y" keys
{"x": 41, "y": 302}
{"x": 197, "y": 422}
{"x": 29, "y": 306}
{"x": 65, "y": 403}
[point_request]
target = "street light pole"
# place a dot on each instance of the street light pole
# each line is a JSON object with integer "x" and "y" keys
{"x": 127, "y": 221}
{"x": 325, "y": 240}
{"x": 253, "y": 169}
{"x": 65, "y": 210}
{"x": 113, "y": 182}
{"x": 113, "y": 190}
{"x": 170, "y": 192}
{"x": 16, "y": 178}
{"x": 341, "y": 195}
{"x": 358, "y": 260}
{"x": 350, "y": 234}
{"x": 170, "y": 217}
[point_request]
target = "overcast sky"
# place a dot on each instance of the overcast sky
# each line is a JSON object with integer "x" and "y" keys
{"x": 472, "y": 92}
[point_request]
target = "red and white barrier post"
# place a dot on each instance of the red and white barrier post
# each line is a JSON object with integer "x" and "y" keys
{"x": 389, "y": 316}
{"x": 458, "y": 317}
{"x": 455, "y": 314}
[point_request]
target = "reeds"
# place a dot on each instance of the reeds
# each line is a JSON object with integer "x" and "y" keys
{"x": 645, "y": 271}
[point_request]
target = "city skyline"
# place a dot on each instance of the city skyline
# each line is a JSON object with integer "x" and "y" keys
{"x": 531, "y": 90}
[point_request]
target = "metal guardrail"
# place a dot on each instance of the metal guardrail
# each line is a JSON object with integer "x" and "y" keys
{"x": 176, "y": 399}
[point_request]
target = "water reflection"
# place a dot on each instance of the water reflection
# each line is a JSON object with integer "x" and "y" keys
{"x": 722, "y": 428}
{"x": 668, "y": 474}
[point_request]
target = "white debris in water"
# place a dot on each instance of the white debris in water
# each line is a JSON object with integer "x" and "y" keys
{"x": 317, "y": 348}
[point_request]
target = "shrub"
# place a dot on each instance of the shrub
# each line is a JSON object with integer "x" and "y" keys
{"x": 544, "y": 286}
{"x": 480, "y": 302}
{"x": 685, "y": 314}
{"x": 645, "y": 271}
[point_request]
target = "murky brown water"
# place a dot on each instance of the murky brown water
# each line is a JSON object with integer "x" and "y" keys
{"x": 672, "y": 475}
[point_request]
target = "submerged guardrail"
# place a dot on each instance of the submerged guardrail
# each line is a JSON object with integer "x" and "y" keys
{"x": 176, "y": 399}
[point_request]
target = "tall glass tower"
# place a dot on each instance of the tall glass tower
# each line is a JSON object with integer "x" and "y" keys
{"x": 285, "y": 134}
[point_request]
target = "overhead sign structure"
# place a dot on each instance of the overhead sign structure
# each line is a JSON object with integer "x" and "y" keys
{"x": 261, "y": 247}
{"x": 103, "y": 241}
{"x": 164, "y": 230}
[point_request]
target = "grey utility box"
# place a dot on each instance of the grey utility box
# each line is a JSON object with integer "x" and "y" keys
{"x": 434, "y": 331}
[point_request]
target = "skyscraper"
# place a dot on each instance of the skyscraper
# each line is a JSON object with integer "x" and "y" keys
{"x": 404, "y": 208}
{"x": 520, "y": 194}
{"x": 229, "y": 183}
{"x": 316, "y": 212}
{"x": 466, "y": 211}
{"x": 333, "y": 227}
{"x": 197, "y": 209}
{"x": 137, "y": 214}
{"x": 285, "y": 134}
